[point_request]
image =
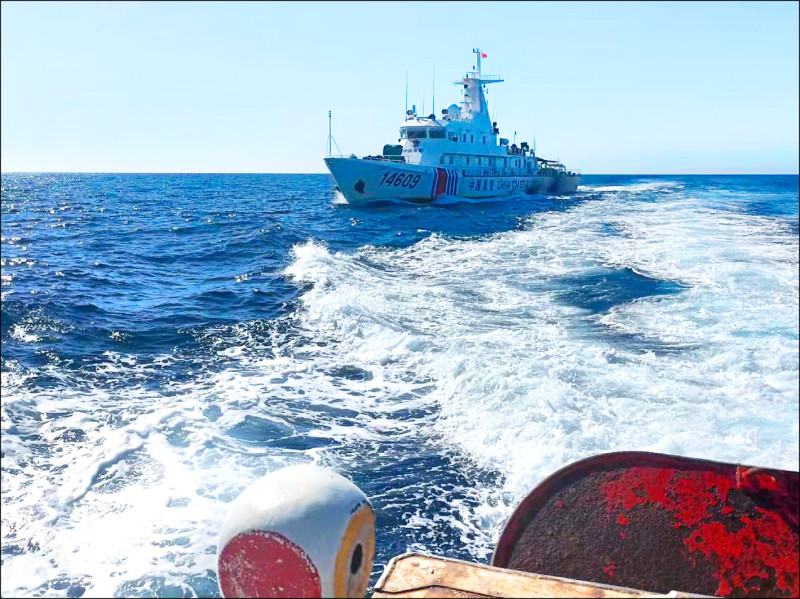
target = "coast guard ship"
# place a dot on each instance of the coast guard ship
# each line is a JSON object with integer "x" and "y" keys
{"x": 458, "y": 154}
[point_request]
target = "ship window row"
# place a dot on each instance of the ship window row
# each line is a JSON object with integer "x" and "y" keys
{"x": 434, "y": 133}
{"x": 421, "y": 133}
{"x": 482, "y": 161}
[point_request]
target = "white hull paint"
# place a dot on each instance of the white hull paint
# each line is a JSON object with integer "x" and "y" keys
{"x": 363, "y": 181}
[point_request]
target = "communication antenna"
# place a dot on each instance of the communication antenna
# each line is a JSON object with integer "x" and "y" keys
{"x": 433, "y": 93}
{"x": 406, "y": 94}
{"x": 423, "y": 100}
{"x": 330, "y": 138}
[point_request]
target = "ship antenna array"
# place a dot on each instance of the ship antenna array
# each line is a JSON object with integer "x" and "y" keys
{"x": 330, "y": 138}
{"x": 406, "y": 113}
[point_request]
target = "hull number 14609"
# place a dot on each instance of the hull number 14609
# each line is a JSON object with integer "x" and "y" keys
{"x": 395, "y": 179}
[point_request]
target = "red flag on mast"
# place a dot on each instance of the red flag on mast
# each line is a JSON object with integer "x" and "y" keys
{"x": 483, "y": 55}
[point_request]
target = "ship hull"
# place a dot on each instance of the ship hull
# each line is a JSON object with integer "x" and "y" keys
{"x": 372, "y": 180}
{"x": 362, "y": 180}
{"x": 562, "y": 185}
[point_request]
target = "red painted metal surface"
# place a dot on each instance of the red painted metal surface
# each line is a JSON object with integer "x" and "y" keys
{"x": 266, "y": 564}
{"x": 661, "y": 523}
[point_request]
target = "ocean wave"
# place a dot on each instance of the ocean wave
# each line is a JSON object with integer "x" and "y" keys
{"x": 445, "y": 374}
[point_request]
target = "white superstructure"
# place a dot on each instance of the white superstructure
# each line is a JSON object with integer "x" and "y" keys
{"x": 458, "y": 154}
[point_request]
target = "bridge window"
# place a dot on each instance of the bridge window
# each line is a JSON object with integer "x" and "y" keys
{"x": 451, "y": 160}
{"x": 436, "y": 133}
{"x": 472, "y": 139}
{"x": 416, "y": 133}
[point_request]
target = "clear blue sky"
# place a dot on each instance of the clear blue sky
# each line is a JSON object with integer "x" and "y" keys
{"x": 246, "y": 87}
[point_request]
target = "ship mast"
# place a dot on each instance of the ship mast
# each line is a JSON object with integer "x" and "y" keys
{"x": 475, "y": 108}
{"x": 330, "y": 139}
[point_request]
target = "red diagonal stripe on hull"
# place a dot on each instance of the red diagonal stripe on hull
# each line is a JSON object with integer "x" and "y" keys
{"x": 441, "y": 182}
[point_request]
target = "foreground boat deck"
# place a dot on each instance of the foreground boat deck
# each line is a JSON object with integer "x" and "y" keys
{"x": 416, "y": 575}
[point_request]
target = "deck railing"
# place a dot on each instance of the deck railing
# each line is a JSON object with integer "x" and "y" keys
{"x": 501, "y": 172}
{"x": 385, "y": 158}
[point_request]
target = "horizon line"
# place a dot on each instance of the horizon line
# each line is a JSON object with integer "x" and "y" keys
{"x": 327, "y": 173}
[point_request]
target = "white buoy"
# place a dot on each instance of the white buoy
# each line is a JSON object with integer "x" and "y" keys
{"x": 302, "y": 531}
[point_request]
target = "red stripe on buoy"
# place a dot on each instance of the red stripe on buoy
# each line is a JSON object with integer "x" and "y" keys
{"x": 266, "y": 564}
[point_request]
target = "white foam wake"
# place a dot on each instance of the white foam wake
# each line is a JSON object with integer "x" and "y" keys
{"x": 526, "y": 383}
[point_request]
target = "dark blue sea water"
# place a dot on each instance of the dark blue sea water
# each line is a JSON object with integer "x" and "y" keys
{"x": 168, "y": 339}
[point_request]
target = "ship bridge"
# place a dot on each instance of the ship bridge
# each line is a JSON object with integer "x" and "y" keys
{"x": 464, "y": 130}
{"x": 423, "y": 128}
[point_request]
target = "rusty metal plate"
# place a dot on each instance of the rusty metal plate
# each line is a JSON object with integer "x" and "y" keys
{"x": 659, "y": 522}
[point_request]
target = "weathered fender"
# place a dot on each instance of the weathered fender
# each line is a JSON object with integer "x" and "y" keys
{"x": 301, "y": 531}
